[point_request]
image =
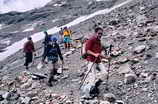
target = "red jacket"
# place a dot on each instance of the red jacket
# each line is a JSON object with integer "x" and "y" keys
{"x": 29, "y": 47}
{"x": 94, "y": 45}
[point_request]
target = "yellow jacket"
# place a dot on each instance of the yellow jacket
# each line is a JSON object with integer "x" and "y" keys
{"x": 67, "y": 32}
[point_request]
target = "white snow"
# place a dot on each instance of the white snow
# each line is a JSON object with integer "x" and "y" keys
{"x": 39, "y": 36}
{"x": 29, "y": 29}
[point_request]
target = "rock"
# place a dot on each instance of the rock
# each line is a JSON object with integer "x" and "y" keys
{"x": 32, "y": 93}
{"x": 69, "y": 102}
{"x": 95, "y": 101}
{"x": 114, "y": 22}
{"x": 123, "y": 60}
{"x": 68, "y": 53}
{"x": 124, "y": 69}
{"x": 38, "y": 76}
{"x": 65, "y": 77}
{"x": 134, "y": 60}
{"x": 130, "y": 78}
{"x": 144, "y": 75}
{"x": 27, "y": 85}
{"x": 104, "y": 102}
{"x": 13, "y": 96}
{"x": 141, "y": 19}
{"x": 119, "y": 102}
{"x": 139, "y": 49}
{"x": 116, "y": 53}
{"x": 25, "y": 100}
{"x": 5, "y": 95}
{"x": 156, "y": 55}
{"x": 109, "y": 97}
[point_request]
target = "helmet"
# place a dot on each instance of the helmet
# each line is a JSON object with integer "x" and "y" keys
{"x": 54, "y": 39}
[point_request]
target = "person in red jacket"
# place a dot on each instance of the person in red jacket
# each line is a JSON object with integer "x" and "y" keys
{"x": 94, "y": 56}
{"x": 28, "y": 50}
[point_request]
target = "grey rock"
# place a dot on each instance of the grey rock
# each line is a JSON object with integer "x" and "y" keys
{"x": 104, "y": 102}
{"x": 109, "y": 97}
{"x": 124, "y": 69}
{"x": 25, "y": 100}
{"x": 130, "y": 78}
{"x": 119, "y": 102}
{"x": 139, "y": 49}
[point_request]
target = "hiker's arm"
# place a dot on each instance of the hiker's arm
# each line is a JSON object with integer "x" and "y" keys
{"x": 59, "y": 53}
{"x": 92, "y": 53}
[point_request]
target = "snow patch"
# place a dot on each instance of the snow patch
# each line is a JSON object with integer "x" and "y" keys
{"x": 39, "y": 36}
{"x": 29, "y": 29}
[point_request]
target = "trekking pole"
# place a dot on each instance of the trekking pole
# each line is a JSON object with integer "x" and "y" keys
{"x": 87, "y": 74}
{"x": 109, "y": 65}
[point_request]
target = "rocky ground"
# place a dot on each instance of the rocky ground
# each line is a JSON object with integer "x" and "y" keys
{"x": 131, "y": 29}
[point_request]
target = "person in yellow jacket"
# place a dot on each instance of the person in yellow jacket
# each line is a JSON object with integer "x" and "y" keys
{"x": 67, "y": 37}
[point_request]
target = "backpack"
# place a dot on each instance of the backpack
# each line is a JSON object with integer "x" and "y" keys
{"x": 83, "y": 50}
{"x": 52, "y": 52}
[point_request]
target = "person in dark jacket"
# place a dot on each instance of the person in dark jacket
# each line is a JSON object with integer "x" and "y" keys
{"x": 28, "y": 50}
{"x": 53, "y": 53}
{"x": 46, "y": 41}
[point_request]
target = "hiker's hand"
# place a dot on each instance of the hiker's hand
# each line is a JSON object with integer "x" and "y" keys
{"x": 97, "y": 54}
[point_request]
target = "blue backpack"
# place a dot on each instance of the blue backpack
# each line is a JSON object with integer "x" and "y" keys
{"x": 52, "y": 52}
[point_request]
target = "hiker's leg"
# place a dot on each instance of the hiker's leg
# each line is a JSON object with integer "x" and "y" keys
{"x": 103, "y": 72}
{"x": 44, "y": 55}
{"x": 51, "y": 73}
{"x": 55, "y": 68}
{"x": 27, "y": 60}
{"x": 92, "y": 75}
{"x": 102, "y": 68}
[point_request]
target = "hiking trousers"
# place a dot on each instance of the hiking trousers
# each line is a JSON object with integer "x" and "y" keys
{"x": 96, "y": 74}
{"x": 28, "y": 58}
{"x": 52, "y": 71}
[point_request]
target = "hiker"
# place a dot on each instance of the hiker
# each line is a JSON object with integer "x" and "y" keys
{"x": 53, "y": 52}
{"x": 67, "y": 37}
{"x": 28, "y": 50}
{"x": 83, "y": 48}
{"x": 94, "y": 49}
{"x": 46, "y": 41}
{"x": 61, "y": 35}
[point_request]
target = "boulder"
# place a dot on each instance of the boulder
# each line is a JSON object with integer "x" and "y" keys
{"x": 156, "y": 55}
{"x": 109, "y": 97}
{"x": 139, "y": 49}
{"x": 25, "y": 100}
{"x": 104, "y": 102}
{"x": 130, "y": 78}
{"x": 125, "y": 68}
{"x": 123, "y": 60}
{"x": 119, "y": 102}
{"x": 27, "y": 85}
